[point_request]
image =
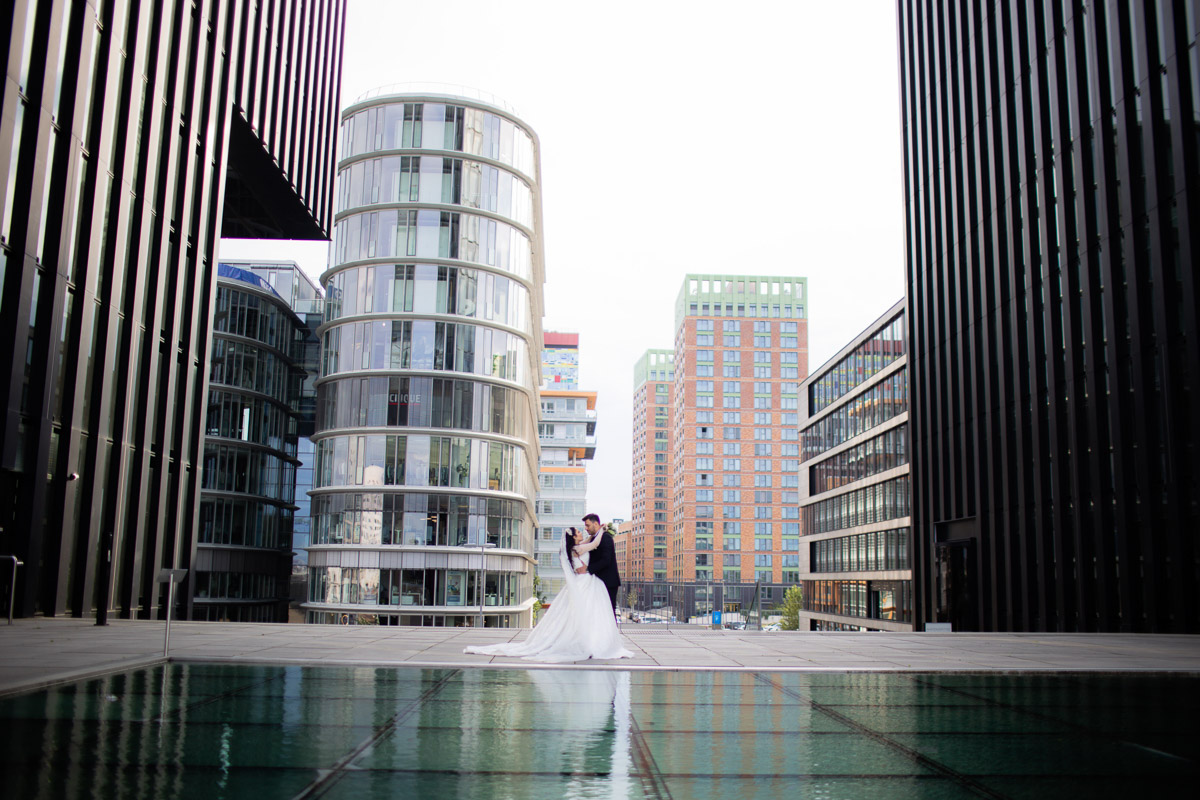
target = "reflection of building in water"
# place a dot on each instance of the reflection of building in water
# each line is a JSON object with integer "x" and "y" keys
{"x": 264, "y": 358}
{"x": 854, "y": 479}
{"x": 566, "y": 433}
{"x": 425, "y": 450}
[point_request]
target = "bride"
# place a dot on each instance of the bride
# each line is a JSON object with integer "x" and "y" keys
{"x": 579, "y": 624}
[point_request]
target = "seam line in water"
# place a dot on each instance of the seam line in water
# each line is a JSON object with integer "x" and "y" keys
{"x": 966, "y": 781}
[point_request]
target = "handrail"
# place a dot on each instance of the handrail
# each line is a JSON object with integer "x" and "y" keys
{"x": 12, "y": 597}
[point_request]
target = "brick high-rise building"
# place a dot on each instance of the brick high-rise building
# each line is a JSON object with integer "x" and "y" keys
{"x": 741, "y": 350}
{"x": 649, "y": 538}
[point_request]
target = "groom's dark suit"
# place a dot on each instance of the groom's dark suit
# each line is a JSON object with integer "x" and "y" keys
{"x": 603, "y": 564}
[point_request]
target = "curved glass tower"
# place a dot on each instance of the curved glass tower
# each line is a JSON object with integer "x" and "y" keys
{"x": 426, "y": 441}
{"x": 256, "y": 415}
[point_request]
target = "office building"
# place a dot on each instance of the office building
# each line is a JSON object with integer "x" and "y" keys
{"x": 854, "y": 485}
{"x": 1051, "y": 175}
{"x": 424, "y": 490}
{"x": 567, "y": 435}
{"x": 134, "y": 135}
{"x": 261, "y": 406}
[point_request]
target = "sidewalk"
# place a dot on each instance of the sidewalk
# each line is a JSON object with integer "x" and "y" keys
{"x": 39, "y": 651}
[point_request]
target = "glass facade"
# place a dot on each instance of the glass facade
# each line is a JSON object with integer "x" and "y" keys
{"x": 425, "y": 450}
{"x": 878, "y": 550}
{"x": 264, "y": 358}
{"x": 872, "y": 407}
{"x": 870, "y": 357}
{"x": 886, "y": 451}
{"x": 857, "y": 488}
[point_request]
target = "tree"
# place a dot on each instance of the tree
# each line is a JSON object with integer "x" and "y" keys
{"x": 792, "y": 601}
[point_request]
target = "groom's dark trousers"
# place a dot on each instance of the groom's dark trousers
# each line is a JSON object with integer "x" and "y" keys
{"x": 603, "y": 565}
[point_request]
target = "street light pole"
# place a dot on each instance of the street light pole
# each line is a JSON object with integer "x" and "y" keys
{"x": 483, "y": 545}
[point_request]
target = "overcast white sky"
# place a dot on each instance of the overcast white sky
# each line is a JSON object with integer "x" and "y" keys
{"x": 676, "y": 137}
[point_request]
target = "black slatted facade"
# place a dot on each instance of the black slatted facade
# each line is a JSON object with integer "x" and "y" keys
{"x": 1051, "y": 189}
{"x": 133, "y": 134}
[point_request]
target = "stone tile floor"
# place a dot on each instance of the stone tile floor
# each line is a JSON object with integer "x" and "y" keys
{"x": 40, "y": 652}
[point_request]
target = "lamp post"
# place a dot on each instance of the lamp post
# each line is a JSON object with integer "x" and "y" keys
{"x": 484, "y": 544}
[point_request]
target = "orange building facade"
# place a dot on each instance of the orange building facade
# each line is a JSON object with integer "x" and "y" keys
{"x": 741, "y": 351}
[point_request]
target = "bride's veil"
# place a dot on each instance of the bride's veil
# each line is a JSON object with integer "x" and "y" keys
{"x": 569, "y": 576}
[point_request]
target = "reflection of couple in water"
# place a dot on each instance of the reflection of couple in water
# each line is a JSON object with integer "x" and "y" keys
{"x": 580, "y": 623}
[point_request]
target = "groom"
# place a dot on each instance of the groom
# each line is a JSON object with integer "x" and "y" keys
{"x": 603, "y": 563}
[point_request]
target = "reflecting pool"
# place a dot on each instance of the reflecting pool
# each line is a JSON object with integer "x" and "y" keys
{"x": 232, "y": 731}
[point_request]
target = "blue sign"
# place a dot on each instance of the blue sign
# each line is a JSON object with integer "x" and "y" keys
{"x": 716, "y": 617}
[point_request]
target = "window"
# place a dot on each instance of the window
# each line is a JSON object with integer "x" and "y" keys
{"x": 731, "y": 371}
{"x": 731, "y": 542}
{"x": 731, "y": 340}
{"x": 731, "y": 449}
{"x": 704, "y": 495}
{"x": 704, "y": 355}
{"x": 704, "y": 339}
{"x": 731, "y": 417}
{"x": 763, "y": 480}
{"x": 731, "y": 464}
{"x": 705, "y": 371}
{"x": 731, "y": 387}
{"x": 704, "y": 401}
{"x": 762, "y": 465}
{"x": 704, "y": 416}
{"x": 762, "y": 327}
{"x": 731, "y": 356}
{"x": 731, "y": 496}
{"x": 731, "y": 512}
{"x": 704, "y": 479}
{"x": 704, "y": 324}
{"x": 731, "y": 480}
{"x": 763, "y": 497}
{"x": 731, "y": 401}
{"x": 731, "y": 326}
{"x": 761, "y": 418}
{"x": 704, "y": 511}
{"x": 762, "y": 512}
{"x": 762, "y": 341}
{"x": 732, "y": 529}
{"x": 704, "y": 448}
{"x": 762, "y": 371}
{"x": 704, "y": 464}
{"x": 704, "y": 386}
{"x": 732, "y": 433}
{"x": 763, "y": 449}
{"x": 762, "y": 544}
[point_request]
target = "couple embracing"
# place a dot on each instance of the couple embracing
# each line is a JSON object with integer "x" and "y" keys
{"x": 580, "y": 623}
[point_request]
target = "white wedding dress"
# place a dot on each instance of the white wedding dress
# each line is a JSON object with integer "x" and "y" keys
{"x": 578, "y": 626}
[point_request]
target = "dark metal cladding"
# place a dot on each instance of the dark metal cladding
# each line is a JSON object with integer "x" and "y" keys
{"x": 130, "y": 142}
{"x": 1050, "y": 161}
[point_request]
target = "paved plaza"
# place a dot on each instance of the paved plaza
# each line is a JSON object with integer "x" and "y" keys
{"x": 40, "y": 652}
